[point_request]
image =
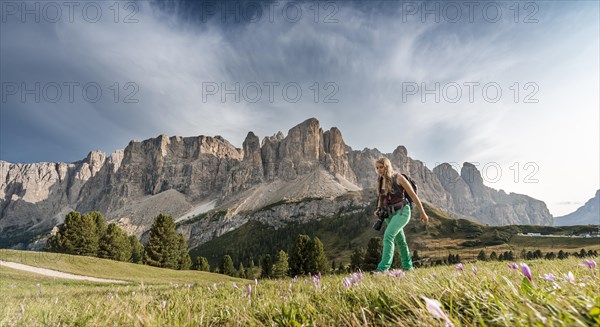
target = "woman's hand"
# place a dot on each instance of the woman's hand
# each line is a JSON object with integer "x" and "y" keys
{"x": 377, "y": 212}
{"x": 424, "y": 218}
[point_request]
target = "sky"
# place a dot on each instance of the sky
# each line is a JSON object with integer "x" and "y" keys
{"x": 512, "y": 87}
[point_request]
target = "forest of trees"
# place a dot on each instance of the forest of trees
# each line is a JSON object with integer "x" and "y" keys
{"x": 89, "y": 235}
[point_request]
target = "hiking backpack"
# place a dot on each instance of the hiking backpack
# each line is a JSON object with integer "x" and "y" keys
{"x": 397, "y": 187}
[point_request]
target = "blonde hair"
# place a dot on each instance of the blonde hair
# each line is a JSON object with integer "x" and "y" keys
{"x": 388, "y": 174}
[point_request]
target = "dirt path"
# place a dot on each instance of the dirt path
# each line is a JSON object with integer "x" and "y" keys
{"x": 57, "y": 274}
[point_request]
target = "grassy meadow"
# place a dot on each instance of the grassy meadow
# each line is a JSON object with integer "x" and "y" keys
{"x": 481, "y": 294}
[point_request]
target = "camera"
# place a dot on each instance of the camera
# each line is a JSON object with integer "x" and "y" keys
{"x": 381, "y": 215}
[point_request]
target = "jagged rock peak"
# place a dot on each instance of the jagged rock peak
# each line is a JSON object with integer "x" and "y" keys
{"x": 470, "y": 174}
{"x": 251, "y": 148}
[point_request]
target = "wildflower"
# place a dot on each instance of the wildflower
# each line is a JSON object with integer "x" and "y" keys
{"x": 395, "y": 273}
{"x": 435, "y": 309}
{"x": 570, "y": 278}
{"x": 39, "y": 288}
{"x": 352, "y": 280}
{"x": 474, "y": 270}
{"x": 164, "y": 304}
{"x": 514, "y": 266}
{"x": 235, "y": 286}
{"x": 526, "y": 271}
{"x": 215, "y": 286}
{"x": 459, "y": 267}
{"x": 255, "y": 282}
{"x": 22, "y": 310}
{"x": 248, "y": 291}
{"x": 590, "y": 263}
{"x": 317, "y": 282}
{"x": 548, "y": 277}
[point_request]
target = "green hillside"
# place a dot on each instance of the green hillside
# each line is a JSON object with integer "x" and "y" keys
{"x": 103, "y": 268}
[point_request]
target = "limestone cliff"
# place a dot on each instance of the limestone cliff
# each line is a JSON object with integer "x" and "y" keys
{"x": 180, "y": 175}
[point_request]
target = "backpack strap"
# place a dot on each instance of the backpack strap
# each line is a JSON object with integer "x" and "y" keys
{"x": 395, "y": 184}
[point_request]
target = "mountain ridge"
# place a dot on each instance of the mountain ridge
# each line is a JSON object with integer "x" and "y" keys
{"x": 175, "y": 174}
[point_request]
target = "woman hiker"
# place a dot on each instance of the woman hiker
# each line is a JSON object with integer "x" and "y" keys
{"x": 390, "y": 193}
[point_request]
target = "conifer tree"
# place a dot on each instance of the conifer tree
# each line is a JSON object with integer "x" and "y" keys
{"x": 162, "y": 249}
{"x": 77, "y": 235}
{"x": 137, "y": 250}
{"x": 202, "y": 264}
{"x": 299, "y": 256}
{"x": 481, "y": 256}
{"x": 317, "y": 260}
{"x": 227, "y": 266}
{"x": 185, "y": 262}
{"x": 280, "y": 270}
{"x": 357, "y": 259}
{"x": 114, "y": 244}
{"x": 241, "y": 272}
{"x": 373, "y": 254}
{"x": 266, "y": 265}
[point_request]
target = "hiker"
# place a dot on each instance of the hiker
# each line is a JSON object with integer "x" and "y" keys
{"x": 394, "y": 194}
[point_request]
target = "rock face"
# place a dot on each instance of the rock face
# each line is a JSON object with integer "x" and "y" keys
{"x": 172, "y": 175}
{"x": 588, "y": 214}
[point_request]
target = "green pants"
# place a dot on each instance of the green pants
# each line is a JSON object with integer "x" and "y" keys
{"x": 394, "y": 232}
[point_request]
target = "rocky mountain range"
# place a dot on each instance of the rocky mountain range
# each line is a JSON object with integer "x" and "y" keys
{"x": 186, "y": 176}
{"x": 588, "y": 214}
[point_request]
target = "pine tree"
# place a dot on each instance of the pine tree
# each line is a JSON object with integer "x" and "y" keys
{"x": 227, "y": 266}
{"x": 251, "y": 269}
{"x": 241, "y": 272}
{"x": 114, "y": 244}
{"x": 100, "y": 223}
{"x": 137, "y": 250}
{"x": 299, "y": 256}
{"x": 266, "y": 265}
{"x": 373, "y": 254}
{"x": 202, "y": 264}
{"x": 280, "y": 270}
{"x": 185, "y": 262}
{"x": 357, "y": 259}
{"x": 510, "y": 256}
{"x": 317, "y": 260}
{"x": 493, "y": 256}
{"x": 77, "y": 235}
{"x": 481, "y": 256}
{"x": 162, "y": 249}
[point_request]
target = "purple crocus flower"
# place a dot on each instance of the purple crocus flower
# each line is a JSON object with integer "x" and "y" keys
{"x": 395, "y": 273}
{"x": 474, "y": 270}
{"x": 514, "y": 266}
{"x": 526, "y": 271}
{"x": 249, "y": 291}
{"x": 548, "y": 277}
{"x": 570, "y": 278}
{"x": 435, "y": 309}
{"x": 590, "y": 263}
{"x": 459, "y": 267}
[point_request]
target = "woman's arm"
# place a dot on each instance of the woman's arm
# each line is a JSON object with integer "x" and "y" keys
{"x": 408, "y": 188}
